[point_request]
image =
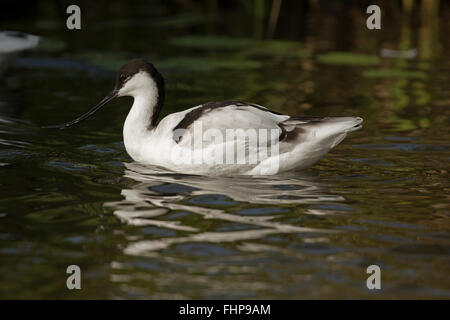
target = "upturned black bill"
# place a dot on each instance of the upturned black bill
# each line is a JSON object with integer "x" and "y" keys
{"x": 105, "y": 100}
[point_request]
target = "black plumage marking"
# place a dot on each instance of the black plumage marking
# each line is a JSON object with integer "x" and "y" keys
{"x": 136, "y": 66}
{"x": 285, "y": 135}
{"x": 297, "y": 131}
{"x": 288, "y": 136}
{"x": 196, "y": 113}
{"x": 308, "y": 119}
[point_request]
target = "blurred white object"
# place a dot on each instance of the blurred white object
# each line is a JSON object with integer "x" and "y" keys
{"x": 405, "y": 54}
{"x": 12, "y": 43}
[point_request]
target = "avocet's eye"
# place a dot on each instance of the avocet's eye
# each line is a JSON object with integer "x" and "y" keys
{"x": 123, "y": 78}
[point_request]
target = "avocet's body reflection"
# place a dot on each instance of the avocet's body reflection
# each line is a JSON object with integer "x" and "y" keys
{"x": 160, "y": 194}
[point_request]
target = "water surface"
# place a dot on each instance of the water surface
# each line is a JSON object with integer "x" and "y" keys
{"x": 75, "y": 197}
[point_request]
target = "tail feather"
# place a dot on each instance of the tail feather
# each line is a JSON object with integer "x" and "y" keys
{"x": 318, "y": 128}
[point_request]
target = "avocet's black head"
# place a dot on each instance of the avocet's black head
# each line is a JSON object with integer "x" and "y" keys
{"x": 136, "y": 77}
{"x": 133, "y": 74}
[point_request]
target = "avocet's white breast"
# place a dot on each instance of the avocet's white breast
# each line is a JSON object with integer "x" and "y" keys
{"x": 138, "y": 122}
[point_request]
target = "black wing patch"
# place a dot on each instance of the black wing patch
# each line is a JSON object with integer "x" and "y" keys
{"x": 298, "y": 129}
{"x": 287, "y": 134}
{"x": 196, "y": 113}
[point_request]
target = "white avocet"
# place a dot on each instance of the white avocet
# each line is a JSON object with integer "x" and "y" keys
{"x": 295, "y": 142}
{"x": 13, "y": 42}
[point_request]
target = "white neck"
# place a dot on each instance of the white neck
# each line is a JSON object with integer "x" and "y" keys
{"x": 138, "y": 124}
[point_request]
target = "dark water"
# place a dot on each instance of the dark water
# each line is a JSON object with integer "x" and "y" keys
{"x": 75, "y": 197}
